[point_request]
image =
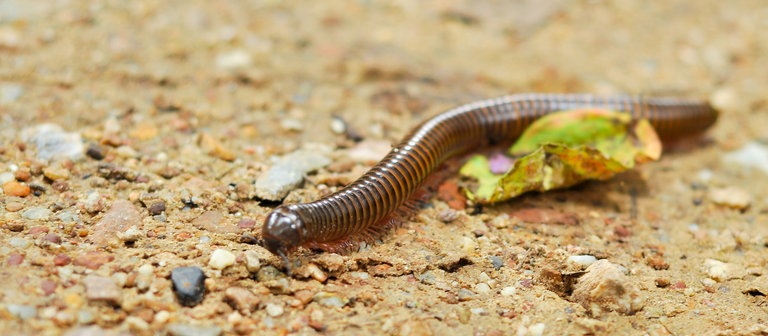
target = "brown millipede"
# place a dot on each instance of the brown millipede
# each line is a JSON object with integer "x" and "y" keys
{"x": 364, "y": 208}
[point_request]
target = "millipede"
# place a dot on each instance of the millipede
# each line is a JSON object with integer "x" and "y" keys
{"x": 367, "y": 207}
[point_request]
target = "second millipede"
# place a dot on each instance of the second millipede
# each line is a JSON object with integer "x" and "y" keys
{"x": 360, "y": 211}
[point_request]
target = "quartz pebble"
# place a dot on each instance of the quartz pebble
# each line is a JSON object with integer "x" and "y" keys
{"x": 53, "y": 142}
{"x": 189, "y": 285}
{"x": 221, "y": 259}
{"x": 288, "y": 172}
{"x": 22, "y": 312}
{"x": 581, "y": 260}
{"x": 753, "y": 154}
{"x": 274, "y": 309}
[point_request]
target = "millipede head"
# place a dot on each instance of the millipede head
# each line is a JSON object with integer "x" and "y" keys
{"x": 283, "y": 231}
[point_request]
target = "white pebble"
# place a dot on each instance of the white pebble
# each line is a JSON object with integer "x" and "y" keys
{"x": 581, "y": 260}
{"x": 6, "y": 177}
{"x": 234, "y": 59}
{"x": 509, "y": 291}
{"x": 221, "y": 259}
{"x": 467, "y": 245}
{"x": 252, "y": 262}
{"x": 19, "y": 243}
{"x": 482, "y": 288}
{"x": 720, "y": 271}
{"x": 338, "y": 126}
{"x": 753, "y": 154}
{"x": 274, "y": 310}
{"x": 536, "y": 329}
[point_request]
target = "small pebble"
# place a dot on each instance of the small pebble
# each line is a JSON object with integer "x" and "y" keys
{"x": 13, "y": 188}
{"x": 55, "y": 173}
{"x": 478, "y": 311}
{"x": 10, "y": 92}
{"x": 7, "y": 177}
{"x": 316, "y": 273}
{"x": 731, "y": 197}
{"x": 466, "y": 294}
{"x": 48, "y": 287}
{"x": 145, "y": 276}
{"x": 61, "y": 259}
{"x": 22, "y": 312}
{"x": 482, "y": 288}
{"x": 329, "y": 300}
{"x": 53, "y": 238}
{"x": 52, "y": 142}
{"x": 131, "y": 235}
{"x": 288, "y": 172}
{"x": 189, "y": 285}
{"x": 156, "y": 208}
{"x": 221, "y": 259}
{"x": 581, "y": 260}
{"x": 252, "y": 261}
{"x": 508, "y": 291}
{"x": 497, "y": 262}
{"x": 274, "y": 309}
{"x": 15, "y": 259}
{"x": 235, "y": 59}
{"x": 95, "y": 152}
{"x": 338, "y": 125}
{"x": 36, "y": 213}
{"x": 98, "y": 288}
{"x": 753, "y": 154}
{"x": 18, "y": 243}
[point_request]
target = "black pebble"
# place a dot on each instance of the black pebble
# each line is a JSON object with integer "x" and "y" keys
{"x": 95, "y": 151}
{"x": 188, "y": 284}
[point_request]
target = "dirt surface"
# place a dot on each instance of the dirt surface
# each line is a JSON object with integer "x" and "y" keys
{"x": 182, "y": 105}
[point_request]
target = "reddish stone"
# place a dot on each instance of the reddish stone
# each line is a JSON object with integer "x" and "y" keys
{"x": 38, "y": 229}
{"x": 449, "y": 193}
{"x": 61, "y": 259}
{"x": 15, "y": 259}
{"x": 679, "y": 285}
{"x": 93, "y": 260}
{"x": 246, "y": 223}
{"x": 53, "y": 238}
{"x": 48, "y": 287}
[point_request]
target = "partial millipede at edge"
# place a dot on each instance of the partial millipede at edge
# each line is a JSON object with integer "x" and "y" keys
{"x": 364, "y": 209}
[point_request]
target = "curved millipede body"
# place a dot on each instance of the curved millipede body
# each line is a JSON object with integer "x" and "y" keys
{"x": 361, "y": 209}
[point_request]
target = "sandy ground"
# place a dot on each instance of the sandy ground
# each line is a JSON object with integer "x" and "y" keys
{"x": 182, "y": 105}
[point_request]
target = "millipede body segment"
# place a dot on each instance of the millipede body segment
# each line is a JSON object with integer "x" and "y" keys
{"x": 364, "y": 208}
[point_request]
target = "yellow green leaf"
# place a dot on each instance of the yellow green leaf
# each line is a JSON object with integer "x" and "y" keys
{"x": 564, "y": 149}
